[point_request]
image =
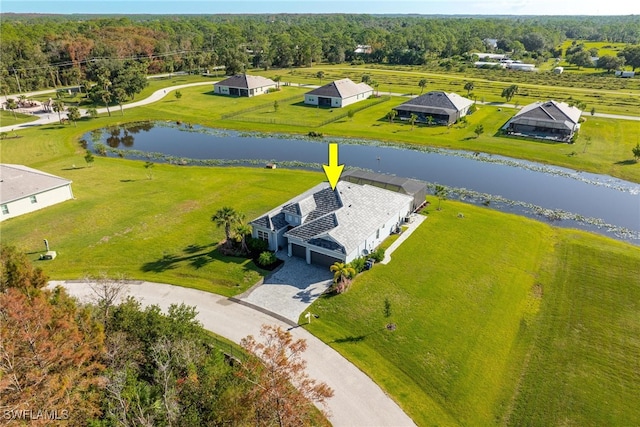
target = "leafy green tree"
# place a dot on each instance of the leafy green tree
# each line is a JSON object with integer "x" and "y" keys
{"x": 441, "y": 193}
{"x": 609, "y": 62}
{"x": 276, "y": 106}
{"x": 73, "y": 113}
{"x": 177, "y": 94}
{"x": 479, "y": 130}
{"x": 422, "y": 83}
{"x": 277, "y": 80}
{"x": 631, "y": 55}
{"x": 320, "y": 75}
{"x": 227, "y": 217}
{"x": 580, "y": 59}
{"x": 636, "y": 152}
{"x": 509, "y": 92}
{"x": 366, "y": 78}
{"x": 92, "y": 112}
{"x": 351, "y": 114}
{"x": 12, "y": 105}
{"x": 469, "y": 86}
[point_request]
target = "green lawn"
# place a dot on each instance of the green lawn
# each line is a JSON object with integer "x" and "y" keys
{"x": 7, "y": 118}
{"x": 484, "y": 329}
{"x": 157, "y": 230}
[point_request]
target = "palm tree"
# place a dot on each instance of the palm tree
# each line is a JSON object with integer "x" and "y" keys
{"x": 392, "y": 115}
{"x": 12, "y": 105}
{"x": 422, "y": 83}
{"x": 58, "y": 107}
{"x": 441, "y": 193}
{"x": 227, "y": 217}
{"x": 412, "y": 120}
{"x": 509, "y": 92}
{"x": 469, "y": 86}
{"x": 320, "y": 75}
{"x": 277, "y": 80}
{"x": 242, "y": 231}
{"x": 342, "y": 274}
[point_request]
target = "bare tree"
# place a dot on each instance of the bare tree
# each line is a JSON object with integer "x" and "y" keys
{"x": 106, "y": 293}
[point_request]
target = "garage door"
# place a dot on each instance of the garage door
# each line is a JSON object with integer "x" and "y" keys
{"x": 299, "y": 251}
{"x": 322, "y": 259}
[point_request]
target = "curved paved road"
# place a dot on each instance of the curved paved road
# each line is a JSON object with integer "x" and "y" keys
{"x": 357, "y": 401}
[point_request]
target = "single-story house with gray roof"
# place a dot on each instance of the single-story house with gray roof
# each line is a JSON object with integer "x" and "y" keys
{"x": 338, "y": 94}
{"x": 412, "y": 187}
{"x": 24, "y": 190}
{"x": 550, "y": 120}
{"x": 443, "y": 108}
{"x": 244, "y": 85}
{"x": 325, "y": 226}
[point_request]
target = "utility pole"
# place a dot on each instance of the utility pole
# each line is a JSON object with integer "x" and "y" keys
{"x": 18, "y": 81}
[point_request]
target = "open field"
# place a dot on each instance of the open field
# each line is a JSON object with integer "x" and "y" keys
{"x": 606, "y": 94}
{"x": 499, "y": 320}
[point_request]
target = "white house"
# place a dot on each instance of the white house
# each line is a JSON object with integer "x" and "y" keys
{"x": 324, "y": 226}
{"x": 338, "y": 94}
{"x": 244, "y": 85}
{"x": 24, "y": 190}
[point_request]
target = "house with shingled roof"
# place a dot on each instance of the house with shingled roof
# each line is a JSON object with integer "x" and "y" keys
{"x": 325, "y": 226}
{"x": 549, "y": 120}
{"x": 338, "y": 94}
{"x": 443, "y": 108}
{"x": 24, "y": 190}
{"x": 244, "y": 85}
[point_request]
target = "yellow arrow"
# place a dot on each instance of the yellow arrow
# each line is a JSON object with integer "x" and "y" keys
{"x": 334, "y": 170}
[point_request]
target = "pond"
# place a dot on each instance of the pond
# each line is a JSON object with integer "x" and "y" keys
{"x": 565, "y": 197}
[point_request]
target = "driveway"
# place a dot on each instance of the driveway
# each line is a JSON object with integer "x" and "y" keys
{"x": 291, "y": 290}
{"x": 357, "y": 400}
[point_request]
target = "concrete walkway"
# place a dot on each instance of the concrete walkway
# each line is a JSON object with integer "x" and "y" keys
{"x": 414, "y": 223}
{"x": 357, "y": 401}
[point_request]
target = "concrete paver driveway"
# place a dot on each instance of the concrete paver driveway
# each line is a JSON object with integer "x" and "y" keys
{"x": 290, "y": 290}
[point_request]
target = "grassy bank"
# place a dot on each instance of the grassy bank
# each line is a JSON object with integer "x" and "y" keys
{"x": 494, "y": 315}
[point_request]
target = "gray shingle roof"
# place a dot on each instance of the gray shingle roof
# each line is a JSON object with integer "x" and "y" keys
{"x": 437, "y": 102}
{"x": 344, "y": 88}
{"x": 246, "y": 81}
{"x": 18, "y": 182}
{"x": 550, "y": 110}
{"x": 406, "y": 185}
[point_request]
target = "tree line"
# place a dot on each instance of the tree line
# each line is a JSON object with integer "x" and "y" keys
{"x": 51, "y": 51}
{"x": 113, "y": 363}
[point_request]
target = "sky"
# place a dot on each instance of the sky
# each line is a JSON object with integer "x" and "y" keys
{"x": 426, "y": 7}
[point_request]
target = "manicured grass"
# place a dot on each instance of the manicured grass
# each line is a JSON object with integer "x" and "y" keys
{"x": 469, "y": 300}
{"x": 7, "y": 118}
{"x": 157, "y": 230}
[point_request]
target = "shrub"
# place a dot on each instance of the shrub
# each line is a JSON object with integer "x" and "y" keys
{"x": 314, "y": 134}
{"x": 358, "y": 264}
{"x": 377, "y": 255}
{"x": 257, "y": 245}
{"x": 267, "y": 258}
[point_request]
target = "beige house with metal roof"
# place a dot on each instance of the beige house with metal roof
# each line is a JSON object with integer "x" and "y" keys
{"x": 244, "y": 85}
{"x": 24, "y": 190}
{"x": 338, "y": 94}
{"x": 325, "y": 226}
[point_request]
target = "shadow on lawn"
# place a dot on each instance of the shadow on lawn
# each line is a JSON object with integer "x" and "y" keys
{"x": 626, "y": 162}
{"x": 197, "y": 256}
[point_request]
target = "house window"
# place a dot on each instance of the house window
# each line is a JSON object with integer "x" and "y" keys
{"x": 5, "y": 210}
{"x": 262, "y": 235}
{"x": 33, "y": 199}
{"x": 377, "y": 234}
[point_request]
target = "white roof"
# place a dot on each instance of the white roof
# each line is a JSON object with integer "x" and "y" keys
{"x": 572, "y": 113}
{"x": 18, "y": 182}
{"x": 365, "y": 209}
